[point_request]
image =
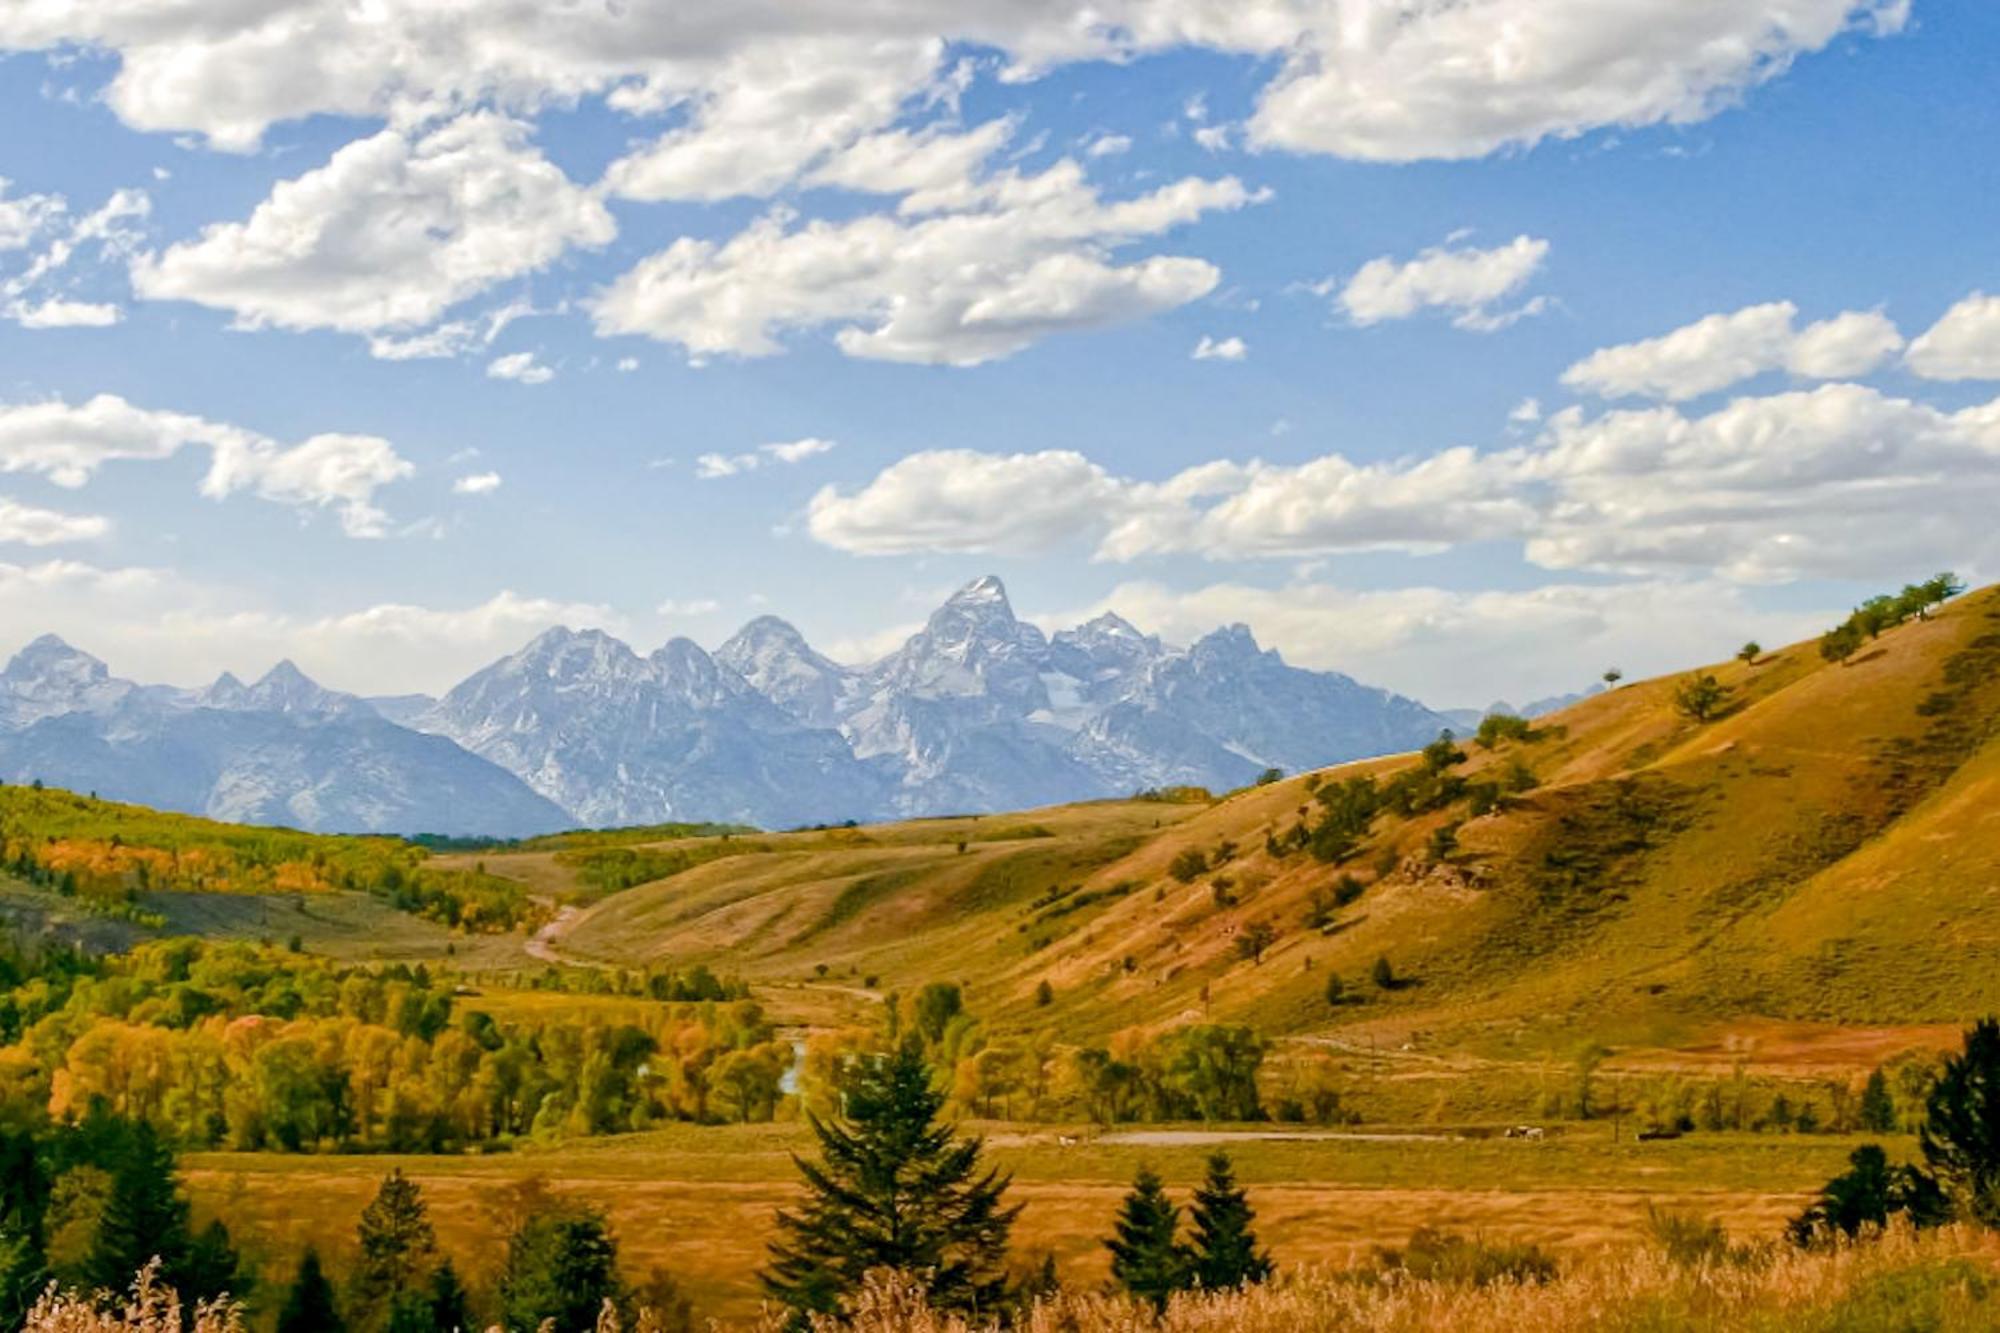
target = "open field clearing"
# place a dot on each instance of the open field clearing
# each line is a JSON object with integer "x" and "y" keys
{"x": 699, "y": 1201}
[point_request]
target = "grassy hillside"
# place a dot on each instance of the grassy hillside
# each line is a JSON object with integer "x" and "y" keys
{"x": 1823, "y": 850}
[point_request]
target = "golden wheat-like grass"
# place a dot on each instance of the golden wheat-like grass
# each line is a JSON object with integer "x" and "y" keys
{"x": 1779, "y": 1289}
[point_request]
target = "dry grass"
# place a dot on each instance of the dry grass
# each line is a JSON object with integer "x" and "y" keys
{"x": 1947, "y": 1280}
{"x": 698, "y": 1200}
{"x": 148, "y": 1308}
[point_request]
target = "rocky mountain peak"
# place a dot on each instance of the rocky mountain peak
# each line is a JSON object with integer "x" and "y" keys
{"x": 50, "y": 662}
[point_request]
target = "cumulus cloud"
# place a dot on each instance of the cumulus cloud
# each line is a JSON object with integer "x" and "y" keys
{"x": 111, "y": 231}
{"x": 31, "y": 526}
{"x": 688, "y": 607}
{"x": 479, "y": 483}
{"x": 1462, "y": 279}
{"x": 769, "y": 112}
{"x": 709, "y": 467}
{"x": 1719, "y": 350}
{"x": 23, "y": 217}
{"x": 1841, "y": 481}
{"x": 962, "y": 500}
{"x": 393, "y": 231}
{"x": 1386, "y": 80}
{"x": 160, "y": 625}
{"x": 521, "y": 367}
{"x": 1963, "y": 345}
{"x": 1393, "y": 81}
{"x": 1455, "y": 648}
{"x": 68, "y": 444}
{"x": 1220, "y": 349}
{"x": 1021, "y": 257}
{"x": 56, "y": 313}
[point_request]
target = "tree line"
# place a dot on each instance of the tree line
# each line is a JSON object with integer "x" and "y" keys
{"x": 1885, "y": 611}
{"x": 107, "y": 854}
{"x": 240, "y": 1046}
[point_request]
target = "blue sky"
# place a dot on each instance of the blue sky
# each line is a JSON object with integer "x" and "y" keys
{"x": 1500, "y": 390}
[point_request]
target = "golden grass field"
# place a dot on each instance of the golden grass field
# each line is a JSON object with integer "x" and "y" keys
{"x": 698, "y": 1201}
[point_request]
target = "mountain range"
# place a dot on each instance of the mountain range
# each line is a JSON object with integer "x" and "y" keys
{"x": 978, "y": 711}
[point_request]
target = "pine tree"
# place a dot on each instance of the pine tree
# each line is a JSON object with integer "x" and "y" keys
{"x": 145, "y": 1217}
{"x": 309, "y": 1306}
{"x": 24, "y": 1197}
{"x": 450, "y": 1303}
{"x": 397, "y": 1246}
{"x": 1225, "y": 1249}
{"x": 893, "y": 1189}
{"x": 1878, "y": 1108}
{"x": 1961, "y": 1133}
{"x": 1146, "y": 1259}
{"x": 562, "y": 1265}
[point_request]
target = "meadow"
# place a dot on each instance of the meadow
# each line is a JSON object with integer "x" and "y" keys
{"x": 698, "y": 1200}
{"x": 1677, "y": 946}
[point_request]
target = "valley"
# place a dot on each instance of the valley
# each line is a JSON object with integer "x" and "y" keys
{"x": 1675, "y": 946}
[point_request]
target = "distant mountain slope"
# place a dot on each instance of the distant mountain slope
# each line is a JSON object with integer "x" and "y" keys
{"x": 978, "y": 711}
{"x": 1826, "y": 849}
{"x": 282, "y": 751}
{"x": 615, "y": 738}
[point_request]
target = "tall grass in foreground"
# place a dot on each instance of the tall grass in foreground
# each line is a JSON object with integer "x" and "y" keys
{"x": 1945, "y": 1280}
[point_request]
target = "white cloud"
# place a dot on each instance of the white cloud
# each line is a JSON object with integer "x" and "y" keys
{"x": 1215, "y": 138}
{"x": 68, "y": 444}
{"x": 1391, "y": 80}
{"x": 111, "y": 231}
{"x": 393, "y": 231}
{"x": 1396, "y": 81}
{"x": 31, "y": 526}
{"x": 709, "y": 467}
{"x": 1027, "y": 257}
{"x": 693, "y": 606}
{"x": 1109, "y": 145}
{"x": 769, "y": 112}
{"x": 1451, "y": 647}
{"x": 56, "y": 313}
{"x": 1839, "y": 482}
{"x": 521, "y": 367}
{"x": 627, "y": 364}
{"x": 159, "y": 625}
{"x": 25, "y": 216}
{"x": 479, "y": 483}
{"x": 1225, "y": 349}
{"x": 932, "y": 168}
{"x": 339, "y": 471}
{"x": 1963, "y": 345}
{"x": 1464, "y": 280}
{"x": 1526, "y": 412}
{"x": 1719, "y": 350}
{"x": 962, "y": 500}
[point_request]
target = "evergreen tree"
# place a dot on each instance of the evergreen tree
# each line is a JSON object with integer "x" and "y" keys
{"x": 1878, "y": 1108}
{"x": 1146, "y": 1258}
{"x": 397, "y": 1246}
{"x": 1225, "y": 1249}
{"x": 309, "y": 1306}
{"x": 146, "y": 1217}
{"x": 1961, "y": 1133}
{"x": 24, "y": 1197}
{"x": 1867, "y": 1194}
{"x": 450, "y": 1303}
{"x": 893, "y": 1189}
{"x": 562, "y": 1265}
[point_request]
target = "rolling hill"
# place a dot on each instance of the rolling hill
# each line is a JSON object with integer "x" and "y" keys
{"x": 1824, "y": 850}
{"x": 1822, "y": 854}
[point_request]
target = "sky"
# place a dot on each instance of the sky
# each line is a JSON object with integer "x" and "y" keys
{"x": 1467, "y": 346}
